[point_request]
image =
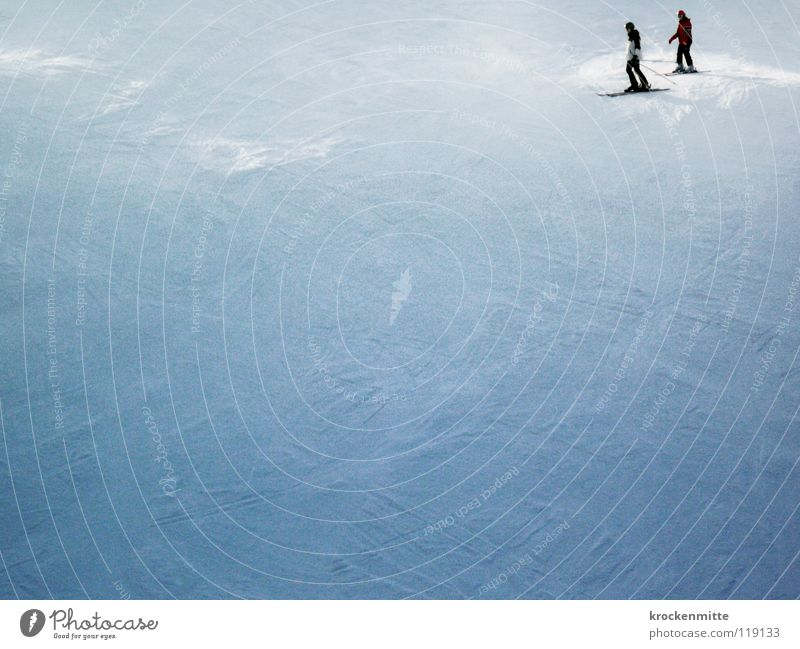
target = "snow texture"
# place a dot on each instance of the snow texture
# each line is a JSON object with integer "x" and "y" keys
{"x": 358, "y": 299}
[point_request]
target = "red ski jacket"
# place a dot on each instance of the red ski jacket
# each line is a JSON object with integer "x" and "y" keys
{"x": 684, "y": 32}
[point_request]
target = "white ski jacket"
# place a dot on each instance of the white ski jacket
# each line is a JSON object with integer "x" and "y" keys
{"x": 634, "y": 46}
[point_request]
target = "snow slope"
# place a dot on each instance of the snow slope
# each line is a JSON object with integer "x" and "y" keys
{"x": 359, "y": 299}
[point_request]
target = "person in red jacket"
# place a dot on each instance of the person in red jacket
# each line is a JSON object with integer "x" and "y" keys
{"x": 684, "y": 36}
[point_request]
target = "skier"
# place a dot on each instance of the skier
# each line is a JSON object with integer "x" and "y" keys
{"x": 633, "y": 54}
{"x": 684, "y": 36}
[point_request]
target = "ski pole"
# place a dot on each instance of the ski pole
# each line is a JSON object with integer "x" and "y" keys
{"x": 657, "y": 72}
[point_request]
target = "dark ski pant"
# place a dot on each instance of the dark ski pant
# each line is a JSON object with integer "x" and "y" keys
{"x": 683, "y": 50}
{"x": 633, "y": 65}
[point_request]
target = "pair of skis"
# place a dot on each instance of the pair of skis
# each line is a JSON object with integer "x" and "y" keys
{"x": 632, "y": 92}
{"x": 675, "y": 74}
{"x": 644, "y": 92}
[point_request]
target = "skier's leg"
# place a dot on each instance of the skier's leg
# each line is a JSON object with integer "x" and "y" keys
{"x": 642, "y": 79}
{"x": 688, "y": 55}
{"x": 680, "y": 59}
{"x": 629, "y": 70}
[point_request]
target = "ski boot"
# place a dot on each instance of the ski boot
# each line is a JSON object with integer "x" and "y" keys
{"x": 679, "y": 70}
{"x": 632, "y": 89}
{"x": 644, "y": 87}
{"x": 691, "y": 69}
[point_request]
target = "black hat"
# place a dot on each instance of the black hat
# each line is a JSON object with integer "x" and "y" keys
{"x": 628, "y": 25}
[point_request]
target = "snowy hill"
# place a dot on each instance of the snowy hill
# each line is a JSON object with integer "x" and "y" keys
{"x": 350, "y": 299}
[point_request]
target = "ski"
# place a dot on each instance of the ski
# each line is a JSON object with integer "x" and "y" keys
{"x": 676, "y": 74}
{"x": 638, "y": 92}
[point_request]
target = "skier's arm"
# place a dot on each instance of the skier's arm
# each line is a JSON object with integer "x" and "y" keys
{"x": 674, "y": 36}
{"x": 637, "y": 46}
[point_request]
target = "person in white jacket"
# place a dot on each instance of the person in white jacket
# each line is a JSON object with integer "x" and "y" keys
{"x": 634, "y": 52}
